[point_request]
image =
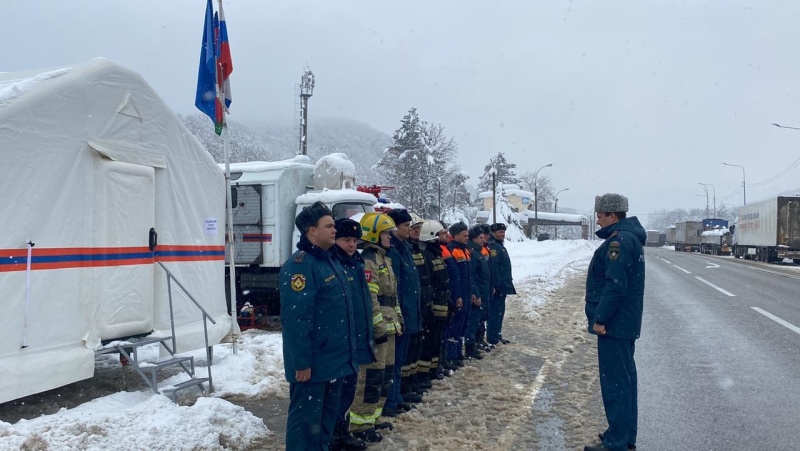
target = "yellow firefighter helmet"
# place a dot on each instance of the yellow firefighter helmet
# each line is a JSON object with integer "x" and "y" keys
{"x": 372, "y": 224}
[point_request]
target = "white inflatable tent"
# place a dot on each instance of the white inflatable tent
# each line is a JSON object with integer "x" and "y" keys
{"x": 92, "y": 159}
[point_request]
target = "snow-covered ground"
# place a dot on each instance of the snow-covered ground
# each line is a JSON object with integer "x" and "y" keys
{"x": 141, "y": 420}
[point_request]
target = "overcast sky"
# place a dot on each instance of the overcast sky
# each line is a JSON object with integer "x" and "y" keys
{"x": 645, "y": 98}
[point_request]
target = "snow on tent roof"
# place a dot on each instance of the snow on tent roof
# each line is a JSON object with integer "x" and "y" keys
{"x": 15, "y": 85}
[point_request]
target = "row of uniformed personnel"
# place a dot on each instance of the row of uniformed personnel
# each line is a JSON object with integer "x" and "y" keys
{"x": 364, "y": 333}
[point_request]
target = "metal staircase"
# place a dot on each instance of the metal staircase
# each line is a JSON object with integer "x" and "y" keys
{"x": 148, "y": 371}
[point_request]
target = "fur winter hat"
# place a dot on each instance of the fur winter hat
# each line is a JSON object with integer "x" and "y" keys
{"x": 347, "y": 228}
{"x": 486, "y": 228}
{"x": 457, "y": 228}
{"x": 310, "y": 215}
{"x": 475, "y": 231}
{"x": 497, "y": 226}
{"x": 400, "y": 216}
{"x": 610, "y": 203}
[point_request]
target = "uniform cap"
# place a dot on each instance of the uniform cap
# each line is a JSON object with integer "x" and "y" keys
{"x": 347, "y": 228}
{"x": 457, "y": 228}
{"x": 400, "y": 216}
{"x": 497, "y": 226}
{"x": 610, "y": 203}
{"x": 475, "y": 231}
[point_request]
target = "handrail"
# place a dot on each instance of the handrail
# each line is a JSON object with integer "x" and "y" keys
{"x": 209, "y": 360}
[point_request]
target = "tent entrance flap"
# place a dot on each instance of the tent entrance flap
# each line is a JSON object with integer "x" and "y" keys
{"x": 130, "y": 153}
{"x": 124, "y": 212}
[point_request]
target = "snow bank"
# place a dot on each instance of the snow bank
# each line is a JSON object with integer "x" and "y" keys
{"x": 549, "y": 263}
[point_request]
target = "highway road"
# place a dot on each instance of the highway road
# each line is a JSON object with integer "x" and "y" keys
{"x": 719, "y": 357}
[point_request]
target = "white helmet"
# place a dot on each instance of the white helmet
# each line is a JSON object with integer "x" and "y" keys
{"x": 430, "y": 229}
{"x": 415, "y": 219}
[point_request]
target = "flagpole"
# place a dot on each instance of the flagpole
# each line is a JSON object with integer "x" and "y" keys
{"x": 229, "y": 208}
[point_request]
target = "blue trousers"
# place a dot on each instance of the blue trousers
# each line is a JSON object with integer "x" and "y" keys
{"x": 400, "y": 356}
{"x": 346, "y": 398}
{"x": 312, "y": 414}
{"x": 494, "y": 326}
{"x": 455, "y": 333}
{"x": 618, "y": 385}
{"x": 474, "y": 319}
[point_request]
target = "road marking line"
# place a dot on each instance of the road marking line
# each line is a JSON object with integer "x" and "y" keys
{"x": 714, "y": 286}
{"x": 783, "y": 323}
{"x": 668, "y": 262}
{"x": 714, "y": 265}
{"x": 687, "y": 272}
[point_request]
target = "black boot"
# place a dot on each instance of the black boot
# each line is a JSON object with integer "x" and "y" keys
{"x": 472, "y": 352}
{"x": 343, "y": 440}
{"x": 370, "y": 435}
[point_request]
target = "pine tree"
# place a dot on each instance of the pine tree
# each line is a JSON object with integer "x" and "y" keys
{"x": 419, "y": 165}
{"x": 504, "y": 173}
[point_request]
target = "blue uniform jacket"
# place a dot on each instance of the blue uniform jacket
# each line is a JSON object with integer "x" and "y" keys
{"x": 481, "y": 277}
{"x": 362, "y": 304}
{"x": 408, "y": 285}
{"x": 502, "y": 282}
{"x": 316, "y": 315}
{"x": 460, "y": 254}
{"x": 615, "y": 280}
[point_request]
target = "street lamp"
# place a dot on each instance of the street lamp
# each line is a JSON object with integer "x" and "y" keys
{"x": 700, "y": 195}
{"x": 785, "y": 126}
{"x": 714, "y": 191}
{"x": 555, "y": 210}
{"x": 536, "y": 200}
{"x": 744, "y": 189}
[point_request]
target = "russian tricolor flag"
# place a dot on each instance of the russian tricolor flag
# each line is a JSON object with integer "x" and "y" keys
{"x": 216, "y": 65}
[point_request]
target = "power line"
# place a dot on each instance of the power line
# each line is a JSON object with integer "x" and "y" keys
{"x": 776, "y": 177}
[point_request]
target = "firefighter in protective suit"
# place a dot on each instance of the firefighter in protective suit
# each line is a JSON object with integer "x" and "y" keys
{"x": 375, "y": 379}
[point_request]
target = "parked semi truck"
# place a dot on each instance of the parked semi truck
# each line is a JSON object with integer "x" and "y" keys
{"x": 769, "y": 230}
{"x": 266, "y": 197}
{"x": 687, "y": 236}
{"x": 652, "y": 238}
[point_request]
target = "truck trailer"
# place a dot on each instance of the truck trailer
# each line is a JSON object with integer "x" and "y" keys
{"x": 652, "y": 238}
{"x": 769, "y": 230}
{"x": 687, "y": 236}
{"x": 669, "y": 236}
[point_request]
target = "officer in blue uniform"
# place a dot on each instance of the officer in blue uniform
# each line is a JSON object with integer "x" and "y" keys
{"x": 319, "y": 339}
{"x": 502, "y": 284}
{"x": 614, "y": 304}
{"x": 348, "y": 233}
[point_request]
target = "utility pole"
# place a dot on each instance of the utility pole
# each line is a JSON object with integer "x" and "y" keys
{"x": 744, "y": 183}
{"x": 306, "y": 91}
{"x": 494, "y": 197}
{"x": 555, "y": 210}
{"x": 536, "y": 200}
{"x": 714, "y": 191}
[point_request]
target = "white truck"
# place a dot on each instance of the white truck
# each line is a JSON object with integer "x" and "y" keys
{"x": 266, "y": 197}
{"x": 769, "y": 230}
